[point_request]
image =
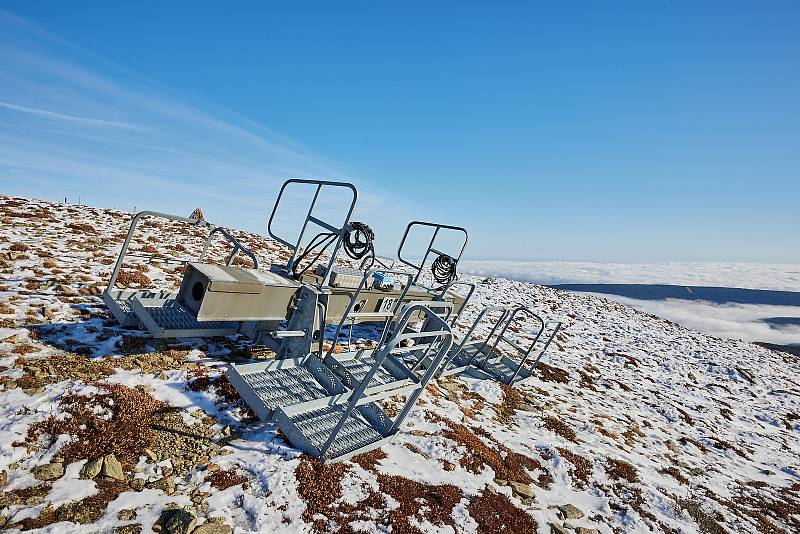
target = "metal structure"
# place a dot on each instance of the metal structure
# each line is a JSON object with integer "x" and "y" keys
{"x": 334, "y": 413}
{"x": 481, "y": 356}
{"x": 325, "y": 400}
{"x": 158, "y": 310}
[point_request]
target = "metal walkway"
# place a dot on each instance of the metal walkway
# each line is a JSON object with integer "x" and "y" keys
{"x": 335, "y": 415}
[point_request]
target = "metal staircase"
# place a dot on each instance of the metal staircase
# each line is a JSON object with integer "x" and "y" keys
{"x": 333, "y": 419}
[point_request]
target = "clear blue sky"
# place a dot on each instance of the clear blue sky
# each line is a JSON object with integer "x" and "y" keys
{"x": 606, "y": 131}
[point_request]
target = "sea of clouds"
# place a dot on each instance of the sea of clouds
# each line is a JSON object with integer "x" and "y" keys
{"x": 731, "y": 320}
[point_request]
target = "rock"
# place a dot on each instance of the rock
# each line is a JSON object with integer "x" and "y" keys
{"x": 126, "y": 515}
{"x": 522, "y": 489}
{"x": 568, "y": 511}
{"x": 91, "y": 468}
{"x": 586, "y": 530}
{"x": 501, "y": 482}
{"x": 3, "y": 478}
{"x": 151, "y": 455}
{"x": 213, "y": 528}
{"x": 129, "y": 529}
{"x": 176, "y": 521}
{"x": 112, "y": 468}
{"x": 452, "y": 387}
{"x": 527, "y": 407}
{"x": 48, "y": 471}
{"x": 137, "y": 484}
{"x": 555, "y": 528}
{"x": 165, "y": 484}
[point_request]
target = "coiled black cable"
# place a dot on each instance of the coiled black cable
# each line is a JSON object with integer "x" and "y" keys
{"x": 357, "y": 243}
{"x": 444, "y": 269}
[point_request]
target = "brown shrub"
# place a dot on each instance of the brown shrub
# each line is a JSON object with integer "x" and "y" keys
{"x": 133, "y": 279}
{"x": 19, "y": 247}
{"x": 495, "y": 514}
{"x": 554, "y": 424}
{"x": 223, "y": 479}
{"x": 419, "y": 501}
{"x": 82, "y": 227}
{"x": 621, "y": 470}
{"x": 582, "y": 470}
{"x": 548, "y": 373}
{"x": 126, "y": 433}
{"x": 511, "y": 401}
{"x": 507, "y": 464}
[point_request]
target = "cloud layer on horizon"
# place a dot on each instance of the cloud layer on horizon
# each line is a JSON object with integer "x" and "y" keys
{"x": 737, "y": 321}
{"x": 780, "y": 277}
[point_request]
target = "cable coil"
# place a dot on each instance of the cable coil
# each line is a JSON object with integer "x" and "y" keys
{"x": 444, "y": 269}
{"x": 357, "y": 243}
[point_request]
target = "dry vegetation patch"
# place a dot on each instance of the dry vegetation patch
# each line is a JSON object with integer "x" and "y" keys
{"x": 507, "y": 464}
{"x": 495, "y": 513}
{"x": 548, "y": 373}
{"x": 116, "y": 421}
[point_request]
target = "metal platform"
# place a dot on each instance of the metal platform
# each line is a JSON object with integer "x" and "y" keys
{"x": 482, "y": 356}
{"x": 168, "y": 318}
{"x": 333, "y": 418}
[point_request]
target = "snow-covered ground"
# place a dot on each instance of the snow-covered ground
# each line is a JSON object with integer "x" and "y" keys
{"x": 636, "y": 424}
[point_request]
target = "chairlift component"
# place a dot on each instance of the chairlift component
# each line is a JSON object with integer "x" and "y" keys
{"x": 444, "y": 264}
{"x": 342, "y": 276}
{"x": 119, "y": 301}
{"x": 318, "y": 413}
{"x": 223, "y": 293}
{"x": 338, "y": 232}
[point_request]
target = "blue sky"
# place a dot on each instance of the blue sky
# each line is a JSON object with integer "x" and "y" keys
{"x": 626, "y": 131}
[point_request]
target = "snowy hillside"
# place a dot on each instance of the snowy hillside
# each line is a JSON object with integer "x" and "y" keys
{"x": 634, "y": 425}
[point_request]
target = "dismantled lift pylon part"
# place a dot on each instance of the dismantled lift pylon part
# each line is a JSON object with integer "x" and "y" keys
{"x": 326, "y": 402}
{"x": 332, "y": 416}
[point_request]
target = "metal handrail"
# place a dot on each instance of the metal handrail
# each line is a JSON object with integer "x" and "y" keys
{"x": 237, "y": 246}
{"x": 354, "y": 299}
{"x": 467, "y": 340}
{"x": 447, "y": 287}
{"x": 430, "y": 249}
{"x": 129, "y": 236}
{"x": 358, "y": 393}
{"x": 339, "y": 231}
{"x": 193, "y": 222}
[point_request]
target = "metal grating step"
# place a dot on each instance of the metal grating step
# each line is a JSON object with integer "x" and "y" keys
{"x": 318, "y": 424}
{"x": 167, "y": 318}
{"x": 359, "y": 367}
{"x": 284, "y": 387}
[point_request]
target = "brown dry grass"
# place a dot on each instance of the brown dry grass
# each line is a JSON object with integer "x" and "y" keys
{"x": 224, "y": 479}
{"x": 125, "y": 434}
{"x": 511, "y": 401}
{"x": 548, "y": 373}
{"x": 496, "y": 514}
{"x": 554, "y": 424}
{"x": 581, "y": 472}
{"x": 621, "y": 470}
{"x": 133, "y": 279}
{"x": 507, "y": 464}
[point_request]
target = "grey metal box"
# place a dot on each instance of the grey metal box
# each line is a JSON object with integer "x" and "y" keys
{"x": 227, "y": 293}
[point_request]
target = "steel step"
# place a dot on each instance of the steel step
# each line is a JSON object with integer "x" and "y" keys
{"x": 167, "y": 318}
